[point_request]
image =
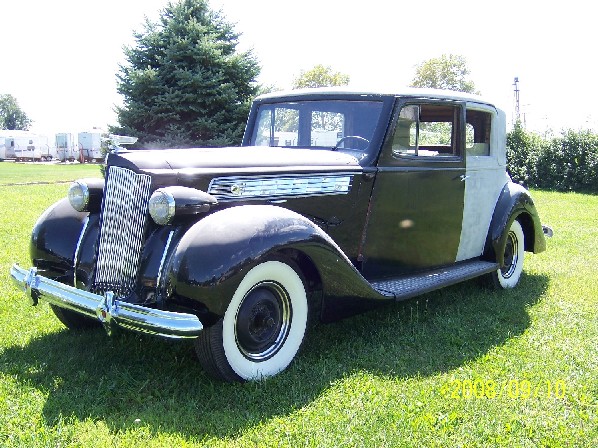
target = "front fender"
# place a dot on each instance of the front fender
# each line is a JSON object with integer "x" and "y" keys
{"x": 514, "y": 203}
{"x": 213, "y": 256}
{"x": 55, "y": 237}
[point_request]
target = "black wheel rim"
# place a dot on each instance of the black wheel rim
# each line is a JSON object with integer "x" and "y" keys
{"x": 511, "y": 255}
{"x": 263, "y": 321}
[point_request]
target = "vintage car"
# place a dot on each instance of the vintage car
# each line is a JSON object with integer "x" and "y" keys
{"x": 336, "y": 201}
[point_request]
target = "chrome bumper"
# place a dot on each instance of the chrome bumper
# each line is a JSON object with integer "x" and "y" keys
{"x": 107, "y": 309}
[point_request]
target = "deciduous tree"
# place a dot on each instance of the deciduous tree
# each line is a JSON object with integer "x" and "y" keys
{"x": 320, "y": 76}
{"x": 11, "y": 115}
{"x": 446, "y": 72}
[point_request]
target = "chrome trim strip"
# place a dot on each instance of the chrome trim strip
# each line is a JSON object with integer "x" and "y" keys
{"x": 163, "y": 260}
{"x": 78, "y": 249}
{"x": 235, "y": 188}
{"x": 108, "y": 309}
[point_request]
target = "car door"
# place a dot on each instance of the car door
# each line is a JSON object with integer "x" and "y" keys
{"x": 416, "y": 207}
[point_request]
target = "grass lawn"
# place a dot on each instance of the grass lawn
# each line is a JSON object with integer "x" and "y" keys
{"x": 465, "y": 366}
{"x": 18, "y": 173}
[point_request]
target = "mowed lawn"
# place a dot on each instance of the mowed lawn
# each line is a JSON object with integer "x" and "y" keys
{"x": 465, "y": 366}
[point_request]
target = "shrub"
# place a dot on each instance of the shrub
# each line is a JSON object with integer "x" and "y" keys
{"x": 523, "y": 149}
{"x": 566, "y": 163}
{"x": 569, "y": 162}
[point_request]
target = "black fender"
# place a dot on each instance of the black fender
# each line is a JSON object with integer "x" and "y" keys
{"x": 55, "y": 237}
{"x": 214, "y": 255}
{"x": 514, "y": 203}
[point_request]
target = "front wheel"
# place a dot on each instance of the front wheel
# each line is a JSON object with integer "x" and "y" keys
{"x": 262, "y": 328}
{"x": 507, "y": 276}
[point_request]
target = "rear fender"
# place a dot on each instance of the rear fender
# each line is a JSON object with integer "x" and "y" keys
{"x": 514, "y": 203}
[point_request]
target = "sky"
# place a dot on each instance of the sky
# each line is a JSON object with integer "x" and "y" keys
{"x": 60, "y": 58}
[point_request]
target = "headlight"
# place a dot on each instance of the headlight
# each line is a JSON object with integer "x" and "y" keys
{"x": 85, "y": 195}
{"x": 79, "y": 195}
{"x": 162, "y": 207}
{"x": 167, "y": 202}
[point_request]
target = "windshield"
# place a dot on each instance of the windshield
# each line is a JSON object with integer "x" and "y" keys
{"x": 338, "y": 124}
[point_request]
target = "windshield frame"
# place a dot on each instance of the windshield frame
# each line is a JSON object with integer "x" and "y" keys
{"x": 366, "y": 156}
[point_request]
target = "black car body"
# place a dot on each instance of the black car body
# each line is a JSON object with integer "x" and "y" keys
{"x": 335, "y": 201}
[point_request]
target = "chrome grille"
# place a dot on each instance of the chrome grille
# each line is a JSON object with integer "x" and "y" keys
{"x": 124, "y": 214}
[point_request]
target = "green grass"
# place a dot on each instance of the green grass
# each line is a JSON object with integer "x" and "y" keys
{"x": 385, "y": 378}
{"x": 18, "y": 173}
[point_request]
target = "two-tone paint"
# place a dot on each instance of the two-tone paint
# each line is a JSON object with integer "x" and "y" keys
{"x": 357, "y": 228}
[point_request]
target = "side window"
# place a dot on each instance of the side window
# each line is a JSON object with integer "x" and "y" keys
{"x": 404, "y": 142}
{"x": 277, "y": 127}
{"x": 477, "y": 132}
{"x": 427, "y": 130}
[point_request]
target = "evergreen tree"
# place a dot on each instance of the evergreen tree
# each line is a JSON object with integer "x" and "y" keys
{"x": 184, "y": 83}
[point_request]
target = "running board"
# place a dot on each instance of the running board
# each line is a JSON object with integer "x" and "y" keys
{"x": 406, "y": 287}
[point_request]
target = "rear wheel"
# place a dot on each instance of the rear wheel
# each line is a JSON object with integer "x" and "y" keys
{"x": 262, "y": 328}
{"x": 74, "y": 321}
{"x": 507, "y": 276}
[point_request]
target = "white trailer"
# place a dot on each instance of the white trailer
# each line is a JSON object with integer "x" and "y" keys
{"x": 32, "y": 147}
{"x": 7, "y": 143}
{"x": 90, "y": 146}
{"x": 26, "y": 147}
{"x": 66, "y": 149}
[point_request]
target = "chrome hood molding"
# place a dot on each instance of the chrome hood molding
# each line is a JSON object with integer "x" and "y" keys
{"x": 228, "y": 159}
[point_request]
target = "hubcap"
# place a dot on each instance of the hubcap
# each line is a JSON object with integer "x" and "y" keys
{"x": 263, "y": 321}
{"x": 511, "y": 255}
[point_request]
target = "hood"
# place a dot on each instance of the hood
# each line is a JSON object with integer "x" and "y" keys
{"x": 238, "y": 159}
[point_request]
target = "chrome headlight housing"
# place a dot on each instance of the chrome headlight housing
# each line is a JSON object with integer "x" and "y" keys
{"x": 162, "y": 207}
{"x": 86, "y": 194}
{"x": 79, "y": 195}
{"x": 168, "y": 202}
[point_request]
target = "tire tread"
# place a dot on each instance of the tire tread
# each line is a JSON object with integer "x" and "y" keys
{"x": 210, "y": 352}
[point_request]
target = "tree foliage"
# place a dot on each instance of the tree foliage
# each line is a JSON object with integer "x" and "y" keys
{"x": 184, "y": 83}
{"x": 448, "y": 72}
{"x": 320, "y": 76}
{"x": 11, "y": 115}
{"x": 522, "y": 153}
{"x": 568, "y": 162}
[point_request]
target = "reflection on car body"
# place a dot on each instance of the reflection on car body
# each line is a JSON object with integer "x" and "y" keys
{"x": 335, "y": 201}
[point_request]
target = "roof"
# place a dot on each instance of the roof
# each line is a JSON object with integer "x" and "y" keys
{"x": 404, "y": 91}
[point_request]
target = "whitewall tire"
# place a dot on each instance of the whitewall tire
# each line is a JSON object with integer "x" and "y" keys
{"x": 507, "y": 276}
{"x": 262, "y": 328}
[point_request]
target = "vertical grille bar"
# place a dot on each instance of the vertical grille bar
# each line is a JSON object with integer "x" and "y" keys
{"x": 124, "y": 214}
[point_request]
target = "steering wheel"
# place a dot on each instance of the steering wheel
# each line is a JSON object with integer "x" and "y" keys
{"x": 360, "y": 139}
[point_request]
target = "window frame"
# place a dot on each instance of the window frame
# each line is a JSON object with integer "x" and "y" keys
{"x": 487, "y": 132}
{"x": 389, "y": 158}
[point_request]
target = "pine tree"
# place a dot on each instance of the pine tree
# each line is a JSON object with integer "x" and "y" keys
{"x": 184, "y": 83}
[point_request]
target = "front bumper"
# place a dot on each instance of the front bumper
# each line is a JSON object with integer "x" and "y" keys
{"x": 107, "y": 309}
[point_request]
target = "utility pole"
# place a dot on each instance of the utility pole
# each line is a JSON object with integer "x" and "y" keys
{"x": 517, "y": 111}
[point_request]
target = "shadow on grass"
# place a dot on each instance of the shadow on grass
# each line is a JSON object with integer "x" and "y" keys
{"x": 128, "y": 377}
